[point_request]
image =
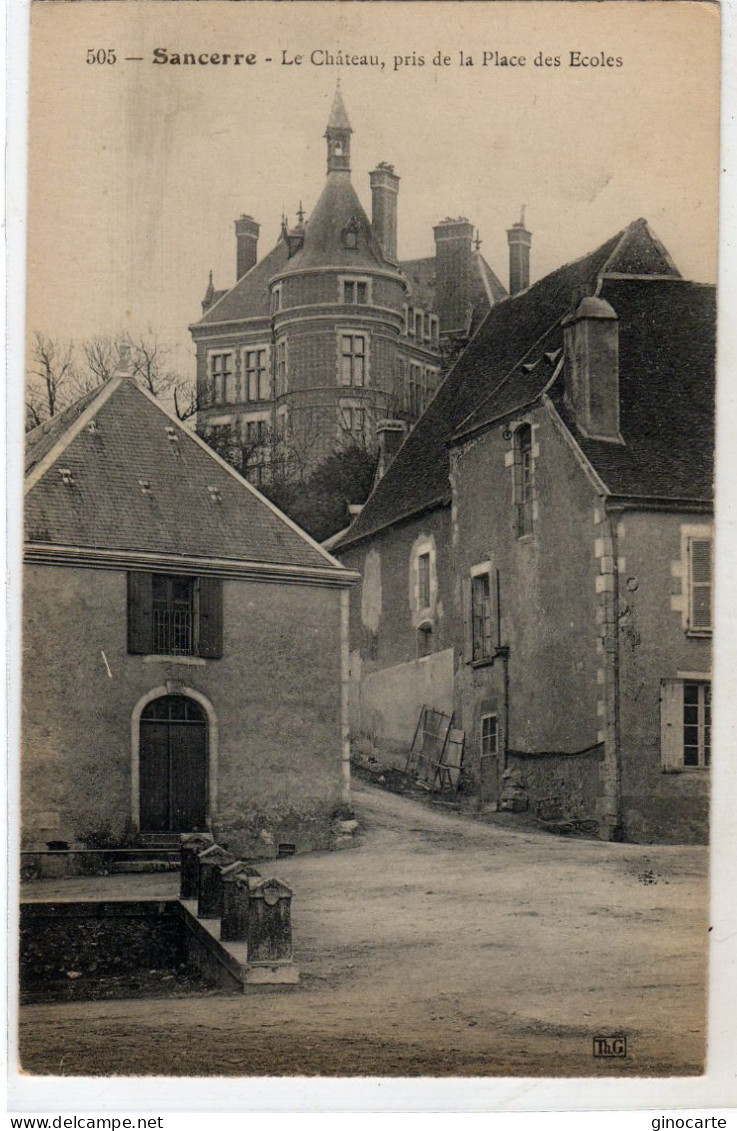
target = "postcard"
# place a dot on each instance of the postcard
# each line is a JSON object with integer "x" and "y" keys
{"x": 368, "y": 542}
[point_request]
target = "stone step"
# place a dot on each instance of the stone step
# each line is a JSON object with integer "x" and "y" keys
{"x": 168, "y": 842}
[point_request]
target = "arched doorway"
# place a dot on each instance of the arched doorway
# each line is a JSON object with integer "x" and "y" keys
{"x": 173, "y": 765}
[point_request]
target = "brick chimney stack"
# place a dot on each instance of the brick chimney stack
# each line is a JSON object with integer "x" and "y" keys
{"x": 246, "y": 237}
{"x": 384, "y": 193}
{"x": 519, "y": 240}
{"x": 453, "y": 266}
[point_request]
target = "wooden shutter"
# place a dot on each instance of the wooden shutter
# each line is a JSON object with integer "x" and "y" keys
{"x": 211, "y": 618}
{"x": 466, "y": 616}
{"x": 140, "y": 639}
{"x": 700, "y": 579}
{"x": 671, "y": 724}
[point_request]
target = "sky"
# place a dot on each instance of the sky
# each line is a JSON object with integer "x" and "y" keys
{"x": 137, "y": 171}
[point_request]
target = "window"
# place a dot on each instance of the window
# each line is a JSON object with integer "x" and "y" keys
{"x": 423, "y": 580}
{"x": 410, "y": 322}
{"x": 489, "y": 736}
{"x": 255, "y": 433}
{"x": 415, "y": 388}
{"x": 221, "y": 377}
{"x": 170, "y": 615}
{"x": 481, "y": 648}
{"x": 696, "y": 723}
{"x": 353, "y": 422}
{"x": 685, "y": 709}
{"x": 699, "y": 601}
{"x": 431, "y": 382}
{"x": 281, "y": 367}
{"x": 523, "y": 479}
{"x": 355, "y": 291}
{"x": 434, "y": 333}
{"x": 350, "y": 234}
{"x": 256, "y": 374}
{"x": 353, "y": 359}
{"x": 276, "y": 300}
{"x": 424, "y": 640}
{"x": 418, "y": 324}
{"x": 172, "y": 611}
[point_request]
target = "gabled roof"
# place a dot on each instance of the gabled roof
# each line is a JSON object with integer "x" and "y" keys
{"x": 249, "y": 298}
{"x": 503, "y": 369}
{"x": 135, "y": 480}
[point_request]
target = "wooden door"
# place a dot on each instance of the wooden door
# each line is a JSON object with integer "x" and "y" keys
{"x": 173, "y": 765}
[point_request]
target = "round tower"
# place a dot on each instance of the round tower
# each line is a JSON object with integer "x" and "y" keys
{"x": 337, "y": 316}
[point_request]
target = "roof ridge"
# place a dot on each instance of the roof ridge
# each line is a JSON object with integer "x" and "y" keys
{"x": 70, "y": 431}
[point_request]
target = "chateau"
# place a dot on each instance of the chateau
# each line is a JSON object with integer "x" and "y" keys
{"x": 329, "y": 339}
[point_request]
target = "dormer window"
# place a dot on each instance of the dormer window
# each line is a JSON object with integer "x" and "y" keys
{"x": 350, "y": 234}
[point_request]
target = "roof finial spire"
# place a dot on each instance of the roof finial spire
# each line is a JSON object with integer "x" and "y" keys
{"x": 301, "y": 214}
{"x": 477, "y": 241}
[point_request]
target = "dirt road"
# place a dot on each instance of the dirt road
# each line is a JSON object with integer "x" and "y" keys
{"x": 441, "y": 946}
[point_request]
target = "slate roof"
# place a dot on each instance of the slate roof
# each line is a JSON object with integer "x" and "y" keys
{"x": 124, "y": 446}
{"x": 507, "y": 366}
{"x": 338, "y": 117}
{"x": 421, "y": 277}
{"x": 667, "y": 354}
{"x": 249, "y": 298}
{"x": 323, "y": 242}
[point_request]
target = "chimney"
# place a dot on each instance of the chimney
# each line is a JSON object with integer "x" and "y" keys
{"x": 591, "y": 368}
{"x": 384, "y": 192}
{"x": 246, "y": 237}
{"x": 519, "y": 240}
{"x": 453, "y": 259}
{"x": 390, "y": 434}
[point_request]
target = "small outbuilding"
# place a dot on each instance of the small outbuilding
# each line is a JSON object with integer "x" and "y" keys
{"x": 185, "y": 644}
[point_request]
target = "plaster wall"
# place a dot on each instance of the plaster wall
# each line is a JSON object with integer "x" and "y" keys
{"x": 275, "y": 694}
{"x": 655, "y": 645}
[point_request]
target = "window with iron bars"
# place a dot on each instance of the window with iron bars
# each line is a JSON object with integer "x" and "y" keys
{"x": 173, "y": 615}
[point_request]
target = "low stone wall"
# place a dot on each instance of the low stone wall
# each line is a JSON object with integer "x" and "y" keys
{"x": 556, "y": 786}
{"x": 60, "y": 942}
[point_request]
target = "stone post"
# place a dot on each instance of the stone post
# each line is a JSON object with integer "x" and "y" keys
{"x": 234, "y": 921}
{"x": 210, "y": 886}
{"x": 269, "y": 921}
{"x": 190, "y": 848}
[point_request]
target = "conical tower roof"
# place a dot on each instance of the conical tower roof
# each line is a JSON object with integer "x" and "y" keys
{"x": 338, "y": 119}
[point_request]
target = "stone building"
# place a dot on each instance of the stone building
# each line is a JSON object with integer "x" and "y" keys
{"x": 185, "y": 644}
{"x": 329, "y": 339}
{"x": 537, "y": 558}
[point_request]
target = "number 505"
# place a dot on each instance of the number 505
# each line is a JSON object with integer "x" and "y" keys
{"x": 101, "y": 55}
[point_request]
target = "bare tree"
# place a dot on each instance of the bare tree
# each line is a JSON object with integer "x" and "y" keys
{"x": 101, "y": 355}
{"x": 149, "y": 355}
{"x": 50, "y": 376}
